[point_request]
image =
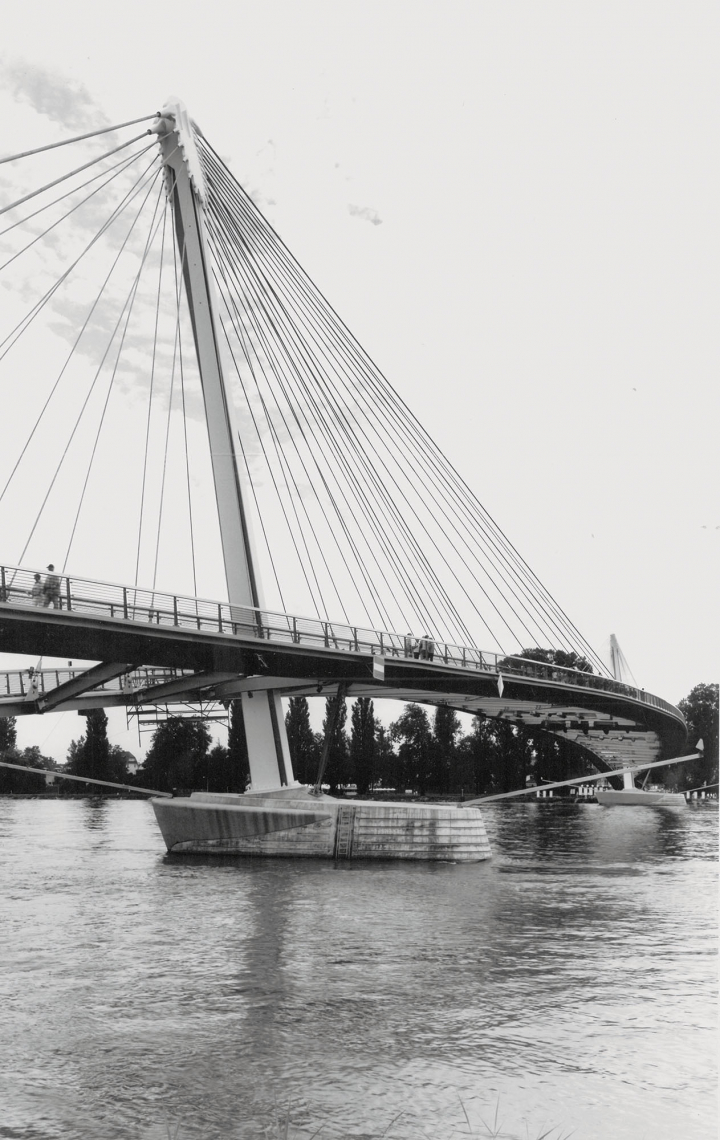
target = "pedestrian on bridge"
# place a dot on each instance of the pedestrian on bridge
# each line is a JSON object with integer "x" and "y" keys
{"x": 426, "y": 648}
{"x": 409, "y": 645}
{"x": 37, "y": 592}
{"x": 51, "y": 589}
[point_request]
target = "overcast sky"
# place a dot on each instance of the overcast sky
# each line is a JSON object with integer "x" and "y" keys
{"x": 514, "y": 208}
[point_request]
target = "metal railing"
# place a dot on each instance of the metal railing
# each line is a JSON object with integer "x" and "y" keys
{"x": 33, "y": 683}
{"x": 82, "y": 596}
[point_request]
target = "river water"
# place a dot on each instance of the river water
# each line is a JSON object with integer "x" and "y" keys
{"x": 568, "y": 985}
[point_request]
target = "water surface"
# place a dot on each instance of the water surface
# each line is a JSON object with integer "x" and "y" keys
{"x": 569, "y": 983}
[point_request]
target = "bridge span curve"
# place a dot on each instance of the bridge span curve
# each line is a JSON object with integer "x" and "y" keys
{"x": 155, "y": 647}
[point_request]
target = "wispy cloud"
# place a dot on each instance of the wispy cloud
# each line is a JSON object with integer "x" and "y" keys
{"x": 366, "y": 213}
{"x": 60, "y": 99}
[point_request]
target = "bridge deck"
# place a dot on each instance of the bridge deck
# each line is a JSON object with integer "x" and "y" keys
{"x": 196, "y": 646}
{"x": 161, "y": 617}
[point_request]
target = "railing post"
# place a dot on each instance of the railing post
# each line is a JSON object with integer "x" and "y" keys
{"x": 294, "y": 631}
{"x": 325, "y": 629}
{"x": 125, "y": 605}
{"x": 68, "y": 595}
{"x": 3, "y": 587}
{"x": 355, "y": 637}
{"x": 220, "y": 621}
{"x": 175, "y": 610}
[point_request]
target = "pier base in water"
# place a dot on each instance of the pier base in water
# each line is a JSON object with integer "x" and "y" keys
{"x": 293, "y": 822}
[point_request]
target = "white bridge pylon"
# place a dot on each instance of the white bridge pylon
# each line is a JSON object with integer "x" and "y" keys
{"x": 269, "y": 754}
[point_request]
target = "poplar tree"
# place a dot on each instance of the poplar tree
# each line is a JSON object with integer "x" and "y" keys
{"x": 336, "y": 771}
{"x": 90, "y": 755}
{"x": 446, "y": 726}
{"x": 362, "y": 743}
{"x": 301, "y": 739}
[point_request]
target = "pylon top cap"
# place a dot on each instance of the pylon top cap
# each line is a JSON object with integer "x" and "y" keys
{"x": 174, "y": 117}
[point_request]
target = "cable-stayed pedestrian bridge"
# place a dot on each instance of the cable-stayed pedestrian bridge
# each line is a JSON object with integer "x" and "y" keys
{"x": 197, "y": 402}
{"x": 157, "y": 648}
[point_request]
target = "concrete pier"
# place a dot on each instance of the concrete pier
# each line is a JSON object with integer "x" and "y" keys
{"x": 295, "y": 823}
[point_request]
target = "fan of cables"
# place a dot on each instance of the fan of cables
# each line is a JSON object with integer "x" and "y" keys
{"x": 377, "y": 523}
{"x": 357, "y": 514}
{"x": 104, "y": 464}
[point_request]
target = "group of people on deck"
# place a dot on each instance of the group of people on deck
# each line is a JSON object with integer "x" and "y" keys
{"x": 423, "y": 648}
{"x": 47, "y": 593}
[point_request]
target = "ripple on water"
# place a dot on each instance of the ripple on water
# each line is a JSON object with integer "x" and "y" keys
{"x": 570, "y": 981}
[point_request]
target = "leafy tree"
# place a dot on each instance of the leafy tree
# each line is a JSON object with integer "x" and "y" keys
{"x": 475, "y": 758}
{"x": 238, "y": 774}
{"x": 555, "y": 758}
{"x": 219, "y": 769}
{"x": 304, "y": 751}
{"x": 446, "y": 727}
{"x": 216, "y": 771}
{"x": 17, "y": 783}
{"x": 177, "y": 756}
{"x": 565, "y": 659}
{"x": 412, "y": 731}
{"x": 34, "y": 758}
{"x": 120, "y": 759}
{"x": 336, "y": 771}
{"x": 700, "y": 709}
{"x": 362, "y": 743}
{"x": 511, "y": 757}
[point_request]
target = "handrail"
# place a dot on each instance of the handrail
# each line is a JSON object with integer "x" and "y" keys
{"x": 132, "y": 604}
{"x": 33, "y": 683}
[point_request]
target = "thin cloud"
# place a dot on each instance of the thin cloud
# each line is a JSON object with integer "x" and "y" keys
{"x": 366, "y": 213}
{"x": 53, "y": 95}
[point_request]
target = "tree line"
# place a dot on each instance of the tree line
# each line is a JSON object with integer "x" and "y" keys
{"x": 427, "y": 754}
{"x": 422, "y": 753}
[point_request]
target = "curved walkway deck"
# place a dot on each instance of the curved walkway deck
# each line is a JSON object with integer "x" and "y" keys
{"x": 197, "y": 646}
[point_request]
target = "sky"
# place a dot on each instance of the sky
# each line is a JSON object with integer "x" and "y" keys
{"x": 513, "y": 207}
